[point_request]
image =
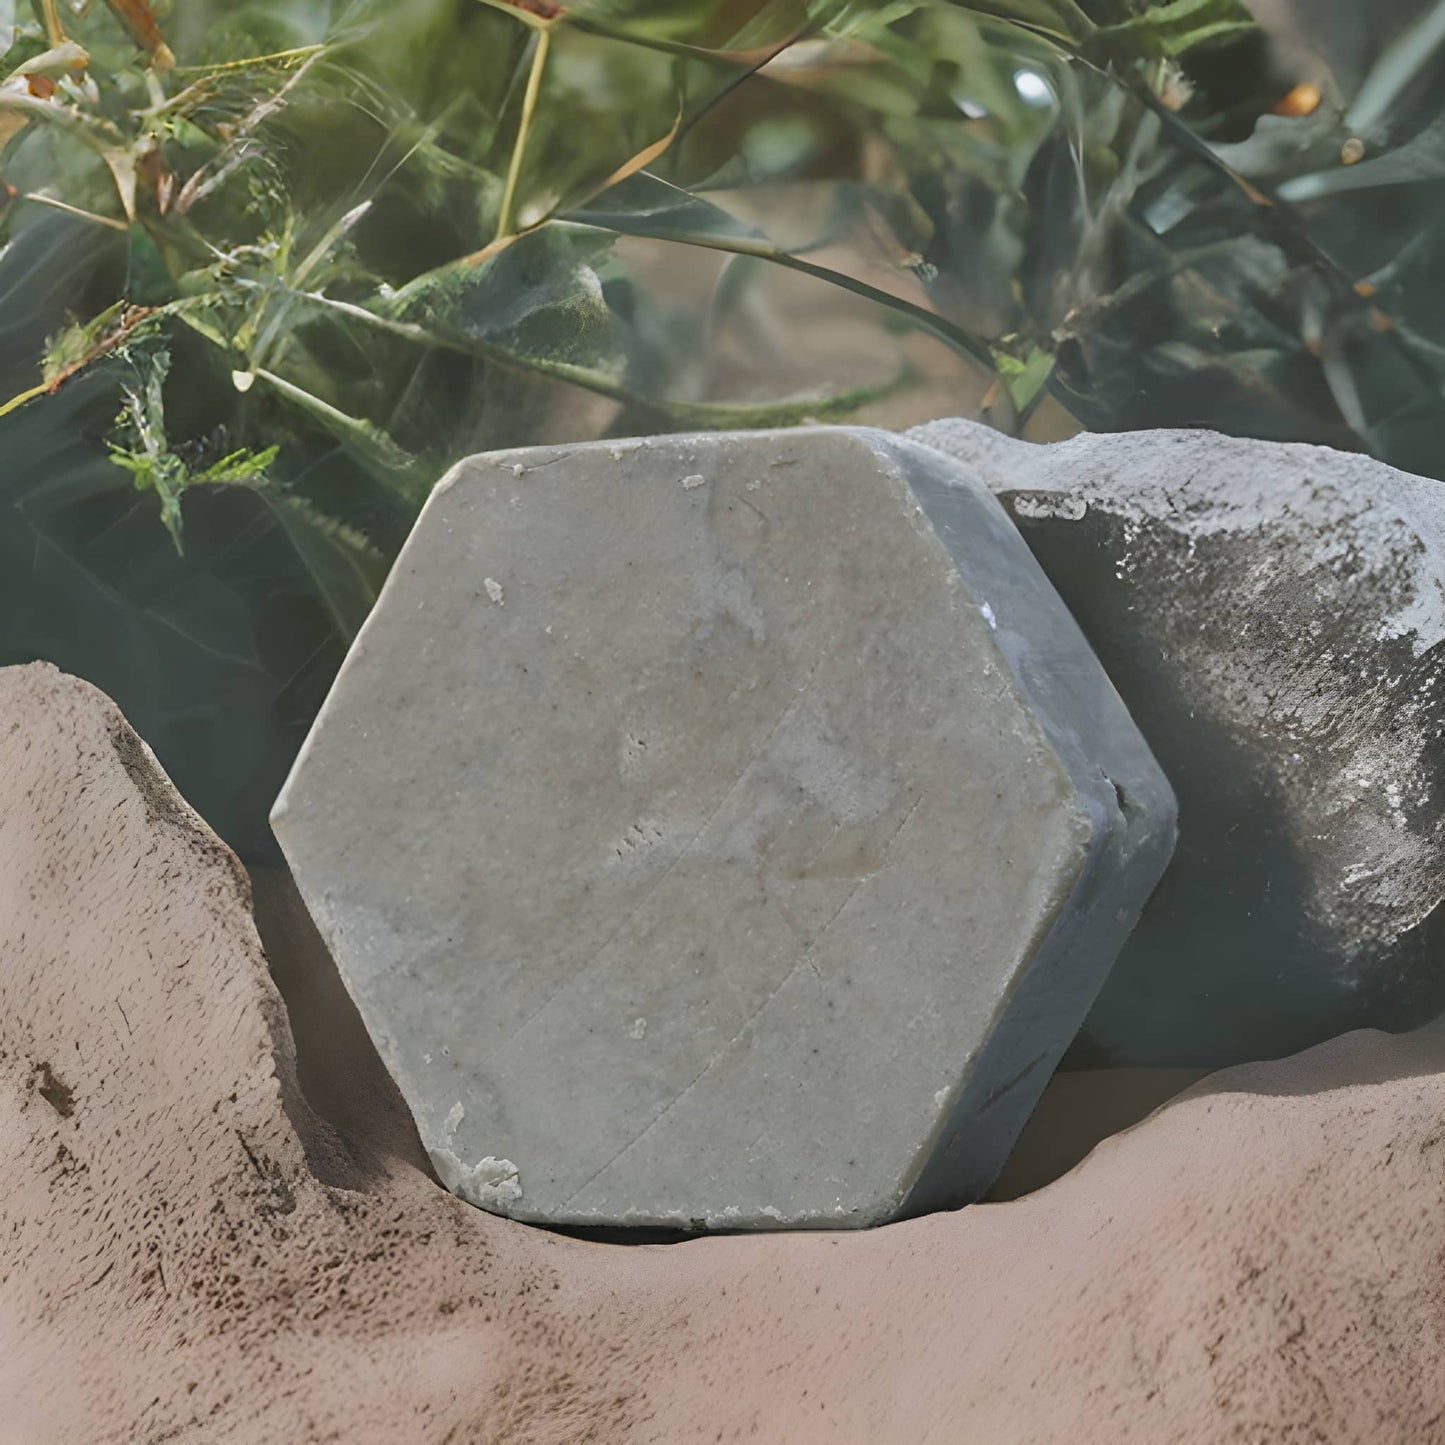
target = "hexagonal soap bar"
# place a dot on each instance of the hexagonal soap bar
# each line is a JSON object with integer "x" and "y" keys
{"x": 722, "y": 831}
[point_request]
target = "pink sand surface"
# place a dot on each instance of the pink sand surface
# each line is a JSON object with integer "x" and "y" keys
{"x": 198, "y": 1245}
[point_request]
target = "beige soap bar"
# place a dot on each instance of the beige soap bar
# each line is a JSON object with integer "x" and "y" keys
{"x": 722, "y": 831}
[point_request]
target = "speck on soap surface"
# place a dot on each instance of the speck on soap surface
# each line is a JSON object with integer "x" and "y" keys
{"x": 752, "y": 866}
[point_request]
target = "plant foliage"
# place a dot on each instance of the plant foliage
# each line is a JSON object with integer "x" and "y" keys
{"x": 271, "y": 266}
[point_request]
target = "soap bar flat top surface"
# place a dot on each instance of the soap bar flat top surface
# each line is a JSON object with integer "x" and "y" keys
{"x": 722, "y": 831}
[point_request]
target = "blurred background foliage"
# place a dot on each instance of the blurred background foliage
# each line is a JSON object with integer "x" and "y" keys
{"x": 270, "y": 267}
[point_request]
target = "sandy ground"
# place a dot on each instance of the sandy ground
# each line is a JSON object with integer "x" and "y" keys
{"x": 200, "y": 1243}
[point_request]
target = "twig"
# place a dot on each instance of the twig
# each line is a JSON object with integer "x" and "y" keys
{"x": 16, "y": 402}
{"x": 250, "y": 60}
{"x": 529, "y": 106}
{"x": 43, "y": 200}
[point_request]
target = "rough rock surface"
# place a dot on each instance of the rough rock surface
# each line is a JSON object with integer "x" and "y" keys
{"x": 188, "y": 1253}
{"x": 1274, "y": 616}
{"x": 722, "y": 832}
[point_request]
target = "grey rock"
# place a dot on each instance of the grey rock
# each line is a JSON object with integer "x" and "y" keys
{"x": 722, "y": 832}
{"x": 1274, "y": 617}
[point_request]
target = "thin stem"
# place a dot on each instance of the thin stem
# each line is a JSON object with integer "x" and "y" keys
{"x": 764, "y": 250}
{"x": 252, "y": 60}
{"x": 53, "y": 33}
{"x": 529, "y": 106}
{"x": 345, "y": 427}
{"x": 704, "y": 415}
{"x": 16, "y": 402}
{"x": 43, "y": 200}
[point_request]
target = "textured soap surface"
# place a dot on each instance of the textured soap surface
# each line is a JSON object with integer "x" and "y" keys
{"x": 1274, "y": 616}
{"x": 722, "y": 832}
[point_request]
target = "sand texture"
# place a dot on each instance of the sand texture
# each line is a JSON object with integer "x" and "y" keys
{"x": 193, "y": 1249}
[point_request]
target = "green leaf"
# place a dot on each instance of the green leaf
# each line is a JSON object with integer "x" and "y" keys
{"x": 218, "y": 656}
{"x": 1058, "y": 20}
{"x": 538, "y": 301}
{"x": 240, "y": 467}
{"x": 646, "y": 206}
{"x": 345, "y": 568}
{"x": 1025, "y": 376}
{"x": 142, "y": 448}
{"x": 1178, "y": 26}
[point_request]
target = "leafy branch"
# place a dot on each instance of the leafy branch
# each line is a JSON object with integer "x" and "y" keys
{"x": 141, "y": 448}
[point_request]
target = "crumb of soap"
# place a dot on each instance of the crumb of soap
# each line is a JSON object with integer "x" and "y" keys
{"x": 494, "y": 590}
{"x": 692, "y": 483}
{"x": 489, "y": 1183}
